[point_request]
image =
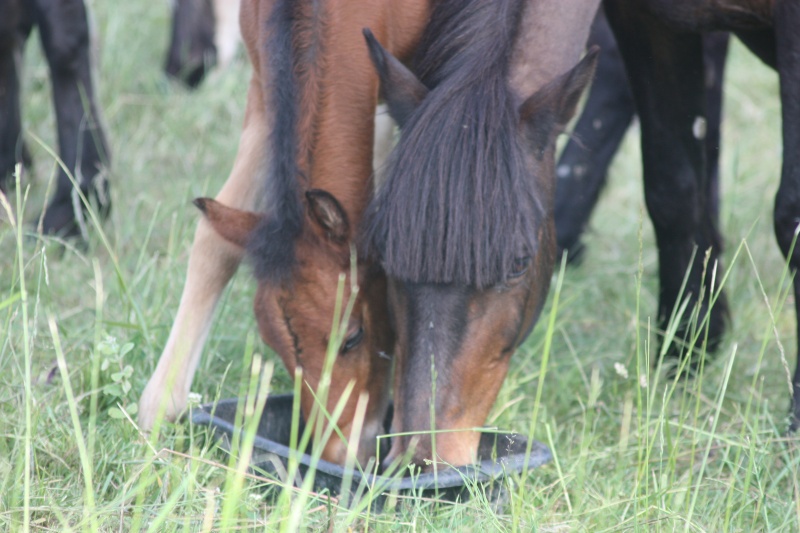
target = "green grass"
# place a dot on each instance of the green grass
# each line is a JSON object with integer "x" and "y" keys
{"x": 634, "y": 449}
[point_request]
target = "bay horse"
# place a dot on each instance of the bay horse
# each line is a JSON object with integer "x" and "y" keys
{"x": 582, "y": 167}
{"x": 661, "y": 43}
{"x": 65, "y": 35}
{"x": 204, "y": 33}
{"x": 292, "y": 203}
{"x": 463, "y": 224}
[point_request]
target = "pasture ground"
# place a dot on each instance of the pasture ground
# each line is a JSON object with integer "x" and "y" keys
{"x": 634, "y": 449}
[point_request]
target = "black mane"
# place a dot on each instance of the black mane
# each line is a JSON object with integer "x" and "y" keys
{"x": 271, "y": 247}
{"x": 459, "y": 203}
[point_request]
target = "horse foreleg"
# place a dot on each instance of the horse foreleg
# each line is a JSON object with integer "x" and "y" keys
{"x": 715, "y": 52}
{"x": 65, "y": 36}
{"x": 10, "y": 125}
{"x": 787, "y": 199}
{"x": 667, "y": 78}
{"x": 212, "y": 263}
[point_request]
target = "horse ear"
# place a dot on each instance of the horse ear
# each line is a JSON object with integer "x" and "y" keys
{"x": 328, "y": 214}
{"x": 400, "y": 88}
{"x": 233, "y": 225}
{"x": 552, "y": 106}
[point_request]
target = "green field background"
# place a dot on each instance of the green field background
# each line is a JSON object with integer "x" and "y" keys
{"x": 634, "y": 449}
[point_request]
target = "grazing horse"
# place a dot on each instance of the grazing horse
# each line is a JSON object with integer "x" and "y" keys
{"x": 204, "y": 33}
{"x": 609, "y": 110}
{"x": 293, "y": 202}
{"x": 64, "y": 31}
{"x": 463, "y": 224}
{"x": 661, "y": 44}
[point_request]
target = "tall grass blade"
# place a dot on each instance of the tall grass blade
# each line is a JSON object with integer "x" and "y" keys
{"x": 86, "y": 463}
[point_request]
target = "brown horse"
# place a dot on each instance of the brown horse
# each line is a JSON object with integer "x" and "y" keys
{"x": 309, "y": 129}
{"x": 464, "y": 222}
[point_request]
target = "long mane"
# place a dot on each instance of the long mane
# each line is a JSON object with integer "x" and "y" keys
{"x": 459, "y": 204}
{"x": 293, "y": 69}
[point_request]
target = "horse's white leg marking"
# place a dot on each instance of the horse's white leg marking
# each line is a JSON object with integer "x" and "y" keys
{"x": 226, "y": 30}
{"x": 212, "y": 263}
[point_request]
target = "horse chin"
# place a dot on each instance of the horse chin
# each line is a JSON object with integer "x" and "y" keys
{"x": 454, "y": 449}
{"x": 335, "y": 451}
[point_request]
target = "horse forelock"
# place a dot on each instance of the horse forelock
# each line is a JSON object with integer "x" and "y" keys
{"x": 459, "y": 203}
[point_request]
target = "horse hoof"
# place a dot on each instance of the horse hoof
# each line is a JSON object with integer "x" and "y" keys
{"x": 150, "y": 407}
{"x": 60, "y": 220}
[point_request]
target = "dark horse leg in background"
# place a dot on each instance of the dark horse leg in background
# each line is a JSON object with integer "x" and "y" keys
{"x": 609, "y": 110}
{"x": 666, "y": 96}
{"x": 64, "y": 30}
{"x": 787, "y": 200}
{"x": 192, "y": 51}
{"x": 667, "y": 79}
{"x": 10, "y": 125}
{"x": 715, "y": 52}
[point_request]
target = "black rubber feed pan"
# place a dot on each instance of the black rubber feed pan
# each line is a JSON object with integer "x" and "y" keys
{"x": 499, "y": 454}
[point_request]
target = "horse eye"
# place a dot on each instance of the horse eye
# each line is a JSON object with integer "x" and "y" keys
{"x": 353, "y": 340}
{"x": 520, "y": 266}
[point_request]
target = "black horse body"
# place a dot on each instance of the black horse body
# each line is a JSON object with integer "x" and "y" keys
{"x": 583, "y": 165}
{"x": 64, "y": 31}
{"x": 661, "y": 42}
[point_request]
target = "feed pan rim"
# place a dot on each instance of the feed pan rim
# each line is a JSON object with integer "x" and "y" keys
{"x": 484, "y": 471}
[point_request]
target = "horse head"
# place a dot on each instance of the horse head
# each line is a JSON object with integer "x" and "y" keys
{"x": 295, "y": 314}
{"x": 464, "y": 229}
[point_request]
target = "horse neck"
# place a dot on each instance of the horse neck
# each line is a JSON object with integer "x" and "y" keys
{"x": 551, "y": 40}
{"x": 339, "y": 132}
{"x": 341, "y": 158}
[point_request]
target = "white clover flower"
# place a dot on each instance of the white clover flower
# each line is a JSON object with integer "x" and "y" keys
{"x": 195, "y": 398}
